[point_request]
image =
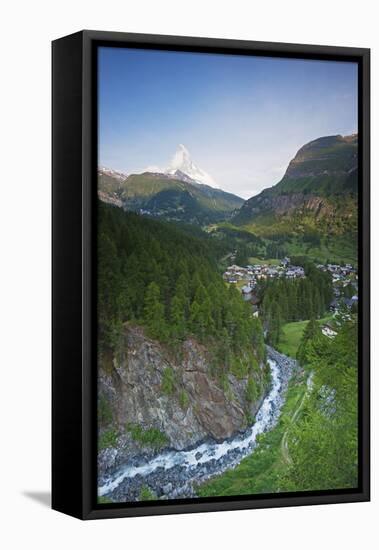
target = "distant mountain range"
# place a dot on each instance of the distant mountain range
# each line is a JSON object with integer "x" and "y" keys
{"x": 312, "y": 210}
{"x": 182, "y": 192}
{"x": 317, "y": 194}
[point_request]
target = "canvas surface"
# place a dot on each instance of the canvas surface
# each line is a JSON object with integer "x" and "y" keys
{"x": 227, "y": 275}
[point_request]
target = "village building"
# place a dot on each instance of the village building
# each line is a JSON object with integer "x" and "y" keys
{"x": 249, "y": 276}
{"x": 328, "y": 331}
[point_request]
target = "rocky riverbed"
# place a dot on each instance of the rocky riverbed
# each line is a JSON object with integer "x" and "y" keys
{"x": 172, "y": 474}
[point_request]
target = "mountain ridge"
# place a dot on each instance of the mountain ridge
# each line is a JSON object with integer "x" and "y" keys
{"x": 319, "y": 181}
{"x": 182, "y": 166}
{"x": 183, "y": 192}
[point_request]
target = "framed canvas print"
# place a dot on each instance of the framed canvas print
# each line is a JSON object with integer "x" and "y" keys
{"x": 210, "y": 274}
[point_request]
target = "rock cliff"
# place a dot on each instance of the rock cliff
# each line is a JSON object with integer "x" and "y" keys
{"x": 151, "y": 398}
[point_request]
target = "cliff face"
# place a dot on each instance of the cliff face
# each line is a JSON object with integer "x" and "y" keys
{"x": 287, "y": 203}
{"x": 144, "y": 386}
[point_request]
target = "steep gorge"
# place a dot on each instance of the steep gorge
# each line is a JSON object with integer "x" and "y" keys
{"x": 144, "y": 387}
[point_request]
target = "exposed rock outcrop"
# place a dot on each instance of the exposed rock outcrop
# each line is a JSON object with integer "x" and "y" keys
{"x": 193, "y": 406}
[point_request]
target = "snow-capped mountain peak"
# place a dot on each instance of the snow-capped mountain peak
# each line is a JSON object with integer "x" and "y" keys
{"x": 182, "y": 161}
{"x": 182, "y": 165}
{"x": 183, "y": 168}
{"x": 114, "y": 173}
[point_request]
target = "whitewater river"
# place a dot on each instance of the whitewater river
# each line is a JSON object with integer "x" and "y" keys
{"x": 171, "y": 473}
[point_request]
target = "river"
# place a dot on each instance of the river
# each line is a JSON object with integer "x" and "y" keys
{"x": 172, "y": 473}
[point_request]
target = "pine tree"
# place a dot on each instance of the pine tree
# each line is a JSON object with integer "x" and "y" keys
{"x": 311, "y": 332}
{"x": 275, "y": 324}
{"x": 154, "y": 312}
{"x": 177, "y": 317}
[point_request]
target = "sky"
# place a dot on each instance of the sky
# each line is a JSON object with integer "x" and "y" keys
{"x": 242, "y": 118}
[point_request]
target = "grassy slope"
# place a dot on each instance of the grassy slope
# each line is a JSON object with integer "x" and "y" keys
{"x": 291, "y": 336}
{"x": 323, "y": 168}
{"x": 269, "y": 261}
{"x": 260, "y": 472}
{"x": 333, "y": 248}
{"x": 292, "y": 333}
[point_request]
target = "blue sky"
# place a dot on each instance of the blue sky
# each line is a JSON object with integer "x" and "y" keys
{"x": 242, "y": 118}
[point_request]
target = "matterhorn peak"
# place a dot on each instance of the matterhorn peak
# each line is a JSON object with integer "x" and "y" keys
{"x": 182, "y": 165}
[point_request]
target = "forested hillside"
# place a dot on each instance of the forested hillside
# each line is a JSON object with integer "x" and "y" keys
{"x": 180, "y": 355}
{"x": 168, "y": 197}
{"x": 167, "y": 279}
{"x": 285, "y": 300}
{"x": 323, "y": 445}
{"x": 315, "y": 443}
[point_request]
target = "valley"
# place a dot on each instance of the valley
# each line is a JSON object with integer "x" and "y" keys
{"x": 214, "y": 314}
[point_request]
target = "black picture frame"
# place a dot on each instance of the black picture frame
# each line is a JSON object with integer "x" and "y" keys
{"x": 74, "y": 132}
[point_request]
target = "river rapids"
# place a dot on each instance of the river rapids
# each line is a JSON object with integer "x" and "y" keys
{"x": 172, "y": 473}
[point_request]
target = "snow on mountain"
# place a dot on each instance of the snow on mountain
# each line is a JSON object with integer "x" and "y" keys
{"x": 183, "y": 168}
{"x": 114, "y": 173}
{"x": 182, "y": 165}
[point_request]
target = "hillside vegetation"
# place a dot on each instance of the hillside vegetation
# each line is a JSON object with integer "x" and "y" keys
{"x": 180, "y": 355}
{"x": 314, "y": 208}
{"x": 165, "y": 196}
{"x": 314, "y": 446}
{"x": 285, "y": 301}
{"x": 163, "y": 278}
